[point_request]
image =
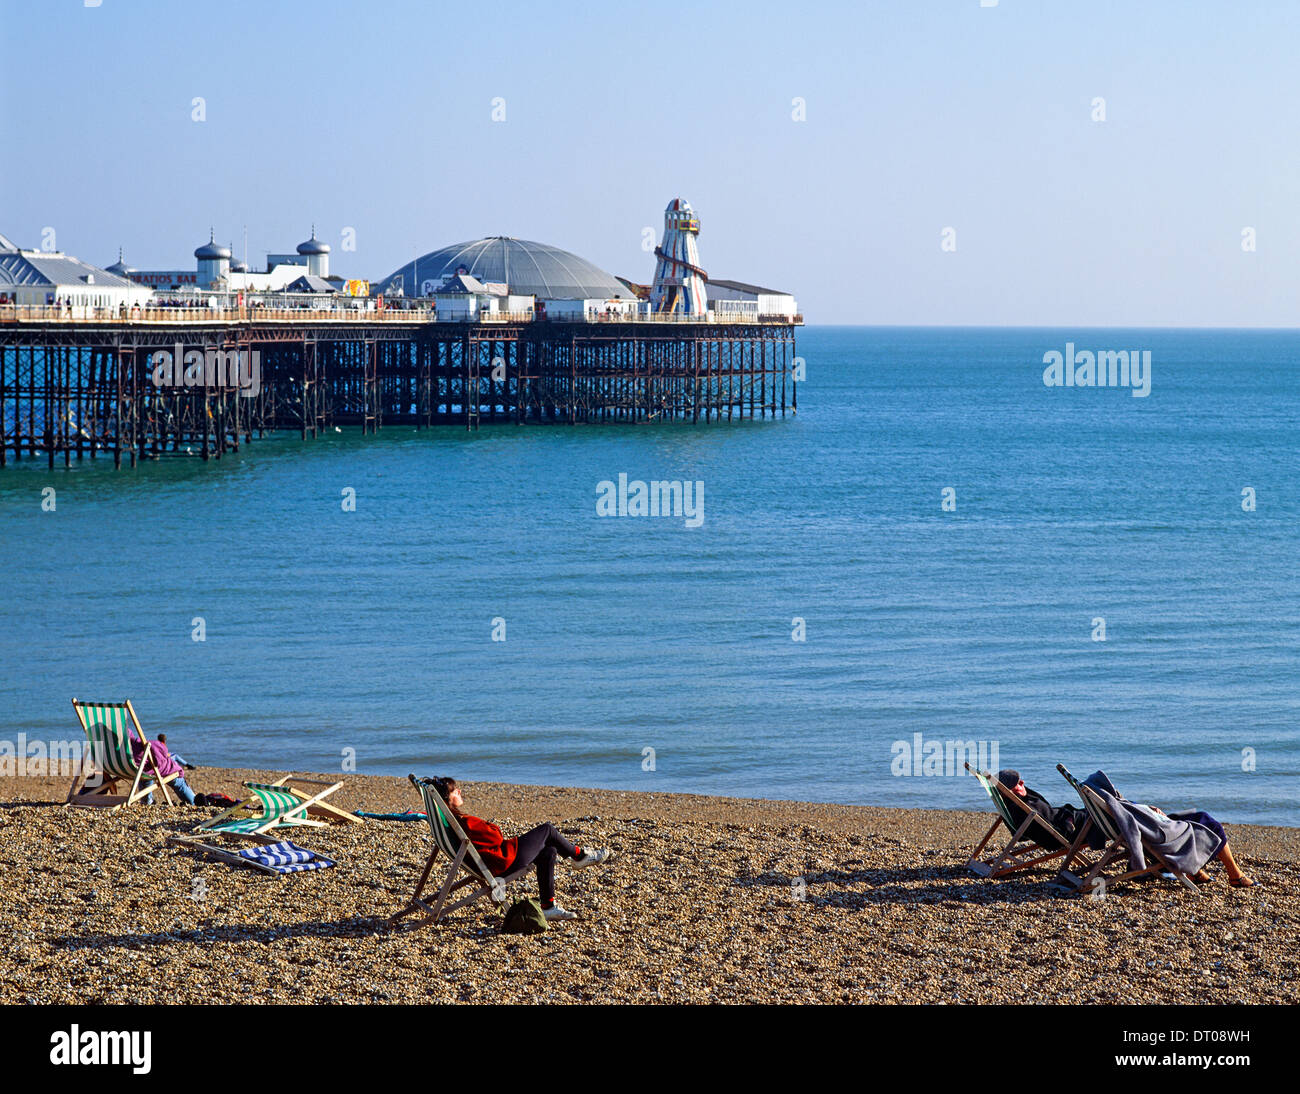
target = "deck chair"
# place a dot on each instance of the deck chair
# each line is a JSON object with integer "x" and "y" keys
{"x": 316, "y": 804}
{"x": 109, "y": 759}
{"x": 1020, "y": 852}
{"x": 280, "y": 807}
{"x": 1083, "y": 880}
{"x": 450, "y": 839}
{"x": 269, "y": 857}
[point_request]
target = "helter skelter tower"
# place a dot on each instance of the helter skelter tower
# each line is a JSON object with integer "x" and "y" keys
{"x": 679, "y": 282}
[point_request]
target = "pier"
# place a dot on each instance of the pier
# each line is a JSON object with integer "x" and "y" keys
{"x": 93, "y": 382}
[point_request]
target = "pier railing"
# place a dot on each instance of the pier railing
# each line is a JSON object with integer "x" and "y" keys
{"x": 22, "y": 313}
{"x": 14, "y": 313}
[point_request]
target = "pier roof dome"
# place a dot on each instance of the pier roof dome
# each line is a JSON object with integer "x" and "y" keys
{"x": 313, "y": 246}
{"x": 212, "y": 250}
{"x": 529, "y": 268}
{"x": 120, "y": 267}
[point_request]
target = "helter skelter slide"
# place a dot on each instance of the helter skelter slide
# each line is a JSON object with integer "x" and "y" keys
{"x": 679, "y": 281}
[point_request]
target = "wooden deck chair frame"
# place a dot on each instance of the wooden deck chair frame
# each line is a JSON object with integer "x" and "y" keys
{"x": 293, "y": 816}
{"x": 224, "y": 853}
{"x": 1020, "y": 851}
{"x": 283, "y": 816}
{"x": 1085, "y": 881}
{"x": 113, "y": 760}
{"x": 450, "y": 839}
{"x": 317, "y": 806}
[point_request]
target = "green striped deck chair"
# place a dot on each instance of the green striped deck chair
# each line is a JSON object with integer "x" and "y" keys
{"x": 109, "y": 760}
{"x": 281, "y": 807}
{"x": 316, "y": 804}
{"x": 450, "y": 839}
{"x": 1091, "y": 877}
{"x": 1020, "y": 852}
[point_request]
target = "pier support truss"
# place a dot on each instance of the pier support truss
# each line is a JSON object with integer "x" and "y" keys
{"x": 78, "y": 390}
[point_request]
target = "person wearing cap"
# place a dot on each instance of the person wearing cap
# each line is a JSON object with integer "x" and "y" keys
{"x": 1066, "y": 819}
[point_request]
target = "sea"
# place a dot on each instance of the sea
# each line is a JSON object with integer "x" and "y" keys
{"x": 939, "y": 558}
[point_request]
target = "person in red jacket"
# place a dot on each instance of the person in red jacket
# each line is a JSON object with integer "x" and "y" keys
{"x": 540, "y": 846}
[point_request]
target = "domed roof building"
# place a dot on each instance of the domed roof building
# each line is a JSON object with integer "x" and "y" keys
{"x": 212, "y": 250}
{"x": 529, "y": 268}
{"x": 214, "y": 263}
{"x": 313, "y": 246}
{"x": 317, "y": 255}
{"x": 120, "y": 267}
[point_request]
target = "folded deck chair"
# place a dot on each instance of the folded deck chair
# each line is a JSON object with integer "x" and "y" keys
{"x": 109, "y": 759}
{"x": 1021, "y": 851}
{"x": 271, "y": 858}
{"x": 1116, "y": 847}
{"x": 450, "y": 839}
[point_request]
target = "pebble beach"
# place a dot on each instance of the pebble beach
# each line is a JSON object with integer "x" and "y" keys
{"x": 706, "y": 900}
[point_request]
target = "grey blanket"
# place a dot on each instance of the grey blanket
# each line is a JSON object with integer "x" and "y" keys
{"x": 1185, "y": 845}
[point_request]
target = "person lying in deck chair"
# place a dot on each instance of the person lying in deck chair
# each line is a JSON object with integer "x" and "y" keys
{"x": 1236, "y": 878}
{"x": 1066, "y": 819}
{"x": 540, "y": 845}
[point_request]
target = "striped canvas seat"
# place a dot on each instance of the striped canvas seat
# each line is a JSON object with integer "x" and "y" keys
{"x": 281, "y": 807}
{"x": 1097, "y": 811}
{"x": 285, "y": 858}
{"x": 281, "y": 804}
{"x": 273, "y": 805}
{"x": 1089, "y": 877}
{"x": 1021, "y": 851}
{"x": 109, "y": 759}
{"x": 450, "y": 839}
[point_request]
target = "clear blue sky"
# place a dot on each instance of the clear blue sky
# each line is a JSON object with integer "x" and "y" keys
{"x": 920, "y": 115}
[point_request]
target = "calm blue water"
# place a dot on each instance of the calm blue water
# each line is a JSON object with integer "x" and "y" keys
{"x": 372, "y": 629}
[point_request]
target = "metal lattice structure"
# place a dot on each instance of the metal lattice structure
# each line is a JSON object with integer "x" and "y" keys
{"x": 91, "y": 388}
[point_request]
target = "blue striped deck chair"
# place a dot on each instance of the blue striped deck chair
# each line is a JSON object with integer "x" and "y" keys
{"x": 1020, "y": 852}
{"x": 109, "y": 759}
{"x": 1092, "y": 877}
{"x": 272, "y": 857}
{"x": 450, "y": 839}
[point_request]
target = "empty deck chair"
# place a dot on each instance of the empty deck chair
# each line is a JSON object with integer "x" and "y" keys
{"x": 1099, "y": 814}
{"x": 1020, "y": 852}
{"x": 270, "y": 857}
{"x": 109, "y": 759}
{"x": 280, "y": 807}
{"x": 450, "y": 839}
{"x": 316, "y": 805}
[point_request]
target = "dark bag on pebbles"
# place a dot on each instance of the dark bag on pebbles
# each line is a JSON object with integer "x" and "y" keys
{"x": 524, "y": 917}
